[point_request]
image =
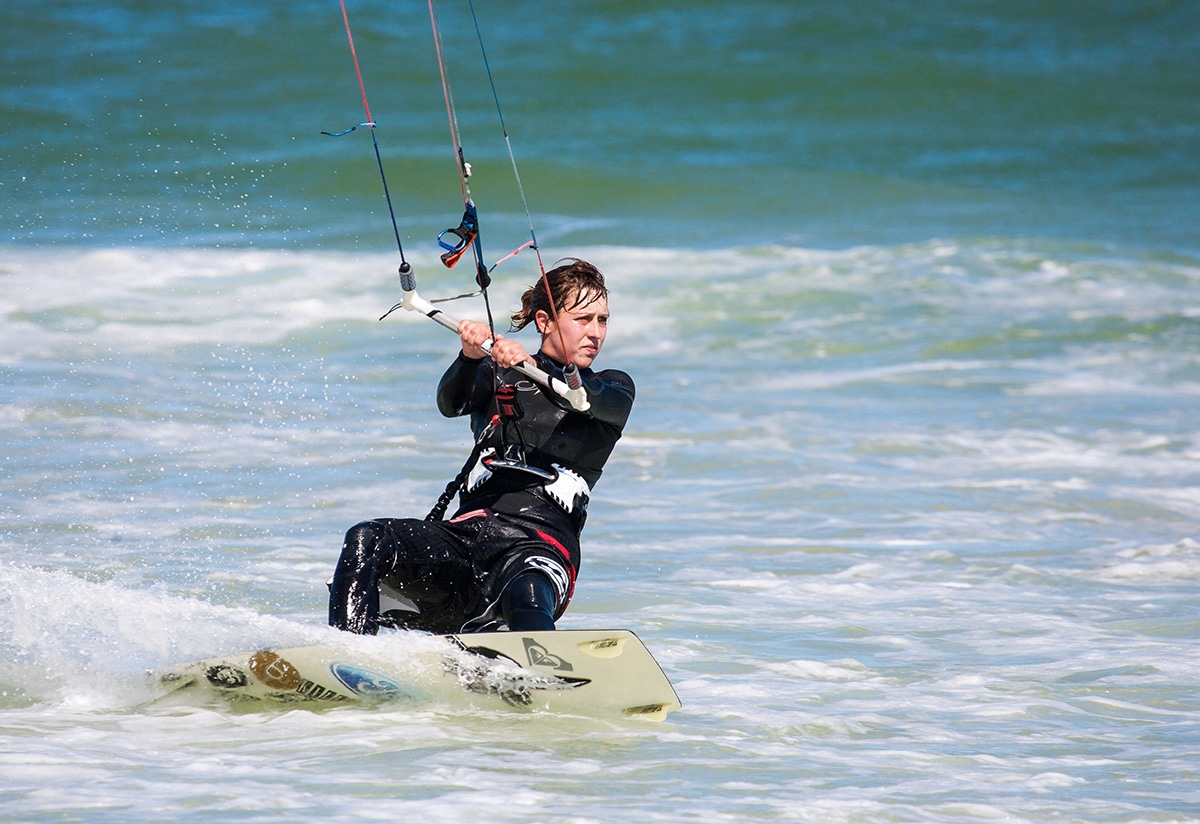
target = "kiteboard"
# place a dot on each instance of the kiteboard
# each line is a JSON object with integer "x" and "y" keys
{"x": 564, "y": 671}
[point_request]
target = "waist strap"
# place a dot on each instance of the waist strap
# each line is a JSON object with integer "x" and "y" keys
{"x": 567, "y": 488}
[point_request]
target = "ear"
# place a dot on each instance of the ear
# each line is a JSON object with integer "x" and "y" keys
{"x": 542, "y": 321}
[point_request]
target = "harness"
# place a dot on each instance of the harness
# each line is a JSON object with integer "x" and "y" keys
{"x": 564, "y": 486}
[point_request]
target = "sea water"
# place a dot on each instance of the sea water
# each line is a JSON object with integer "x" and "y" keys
{"x": 908, "y": 508}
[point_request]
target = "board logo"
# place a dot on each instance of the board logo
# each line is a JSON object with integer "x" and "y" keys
{"x": 363, "y": 681}
{"x": 539, "y": 656}
{"x": 226, "y": 676}
{"x": 274, "y": 671}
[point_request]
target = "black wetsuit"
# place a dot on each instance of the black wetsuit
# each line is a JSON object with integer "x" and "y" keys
{"x": 510, "y": 553}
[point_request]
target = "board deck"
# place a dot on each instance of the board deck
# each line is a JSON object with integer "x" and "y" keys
{"x": 571, "y": 671}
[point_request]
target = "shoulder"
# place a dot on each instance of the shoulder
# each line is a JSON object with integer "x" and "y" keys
{"x": 615, "y": 376}
{"x": 611, "y": 392}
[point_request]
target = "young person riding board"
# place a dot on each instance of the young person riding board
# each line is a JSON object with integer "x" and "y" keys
{"x": 510, "y": 554}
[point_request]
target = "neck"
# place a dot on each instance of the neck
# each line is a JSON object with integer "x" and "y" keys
{"x": 561, "y": 364}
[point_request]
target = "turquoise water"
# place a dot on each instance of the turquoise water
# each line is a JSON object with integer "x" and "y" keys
{"x": 687, "y": 124}
{"x": 908, "y": 506}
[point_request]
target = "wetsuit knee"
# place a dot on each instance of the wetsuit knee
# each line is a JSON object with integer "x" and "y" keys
{"x": 354, "y": 590}
{"x": 528, "y": 603}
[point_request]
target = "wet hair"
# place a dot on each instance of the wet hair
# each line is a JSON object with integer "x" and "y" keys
{"x": 573, "y": 283}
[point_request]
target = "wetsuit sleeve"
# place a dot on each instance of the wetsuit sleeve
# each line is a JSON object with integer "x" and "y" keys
{"x": 610, "y": 394}
{"x": 465, "y": 387}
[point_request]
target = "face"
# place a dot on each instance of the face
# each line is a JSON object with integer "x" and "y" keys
{"x": 583, "y": 331}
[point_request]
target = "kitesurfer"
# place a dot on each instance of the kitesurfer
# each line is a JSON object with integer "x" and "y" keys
{"x": 510, "y": 553}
